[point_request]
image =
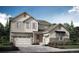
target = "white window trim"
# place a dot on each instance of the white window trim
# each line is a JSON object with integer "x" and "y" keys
{"x": 28, "y": 27}
{"x": 34, "y": 26}
{"x": 18, "y": 24}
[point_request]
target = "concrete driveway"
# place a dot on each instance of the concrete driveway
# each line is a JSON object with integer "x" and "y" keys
{"x": 43, "y": 49}
{"x": 37, "y": 48}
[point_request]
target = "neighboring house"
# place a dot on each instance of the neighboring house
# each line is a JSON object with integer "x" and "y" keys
{"x": 26, "y": 30}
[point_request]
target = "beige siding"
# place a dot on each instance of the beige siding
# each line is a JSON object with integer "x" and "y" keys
{"x": 23, "y": 28}
{"x": 31, "y": 25}
{"x": 15, "y": 29}
{"x": 52, "y": 34}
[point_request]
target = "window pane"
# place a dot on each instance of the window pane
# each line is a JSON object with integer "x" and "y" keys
{"x": 27, "y": 25}
{"x": 18, "y": 24}
{"x": 34, "y": 26}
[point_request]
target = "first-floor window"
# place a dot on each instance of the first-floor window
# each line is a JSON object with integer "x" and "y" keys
{"x": 59, "y": 36}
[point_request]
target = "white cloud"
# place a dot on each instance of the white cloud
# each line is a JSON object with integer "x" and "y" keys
{"x": 75, "y": 9}
{"x": 3, "y": 18}
{"x": 74, "y": 12}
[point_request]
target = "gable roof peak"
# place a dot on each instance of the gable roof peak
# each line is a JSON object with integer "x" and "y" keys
{"x": 23, "y": 13}
{"x": 53, "y": 27}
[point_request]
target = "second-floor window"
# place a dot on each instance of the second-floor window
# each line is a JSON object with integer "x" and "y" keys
{"x": 34, "y": 26}
{"x": 27, "y": 25}
{"x": 18, "y": 24}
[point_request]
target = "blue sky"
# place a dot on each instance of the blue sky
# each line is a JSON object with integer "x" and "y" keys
{"x": 53, "y": 14}
{"x": 34, "y": 10}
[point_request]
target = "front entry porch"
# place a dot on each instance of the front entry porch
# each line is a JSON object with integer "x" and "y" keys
{"x": 37, "y": 38}
{"x": 60, "y": 35}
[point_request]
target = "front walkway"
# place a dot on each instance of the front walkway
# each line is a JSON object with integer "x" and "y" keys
{"x": 38, "y": 48}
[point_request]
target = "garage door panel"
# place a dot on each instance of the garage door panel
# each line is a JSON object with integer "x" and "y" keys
{"x": 22, "y": 42}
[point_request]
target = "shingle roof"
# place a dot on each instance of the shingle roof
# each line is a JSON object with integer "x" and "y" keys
{"x": 43, "y": 25}
{"x": 43, "y": 22}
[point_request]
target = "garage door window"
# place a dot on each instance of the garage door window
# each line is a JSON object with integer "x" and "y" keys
{"x": 22, "y": 36}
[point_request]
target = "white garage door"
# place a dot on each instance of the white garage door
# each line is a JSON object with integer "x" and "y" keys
{"x": 22, "y": 42}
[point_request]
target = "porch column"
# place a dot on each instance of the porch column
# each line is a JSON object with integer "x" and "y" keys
{"x": 34, "y": 37}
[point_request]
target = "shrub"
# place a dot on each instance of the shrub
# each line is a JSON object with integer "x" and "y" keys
{"x": 52, "y": 44}
{"x": 4, "y": 39}
{"x": 60, "y": 43}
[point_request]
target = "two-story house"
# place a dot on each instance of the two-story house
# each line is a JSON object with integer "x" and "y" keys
{"x": 26, "y": 30}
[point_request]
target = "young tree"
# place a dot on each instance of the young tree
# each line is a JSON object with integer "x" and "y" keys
{"x": 73, "y": 35}
{"x": 7, "y": 29}
{"x": 1, "y": 31}
{"x": 67, "y": 26}
{"x": 72, "y": 31}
